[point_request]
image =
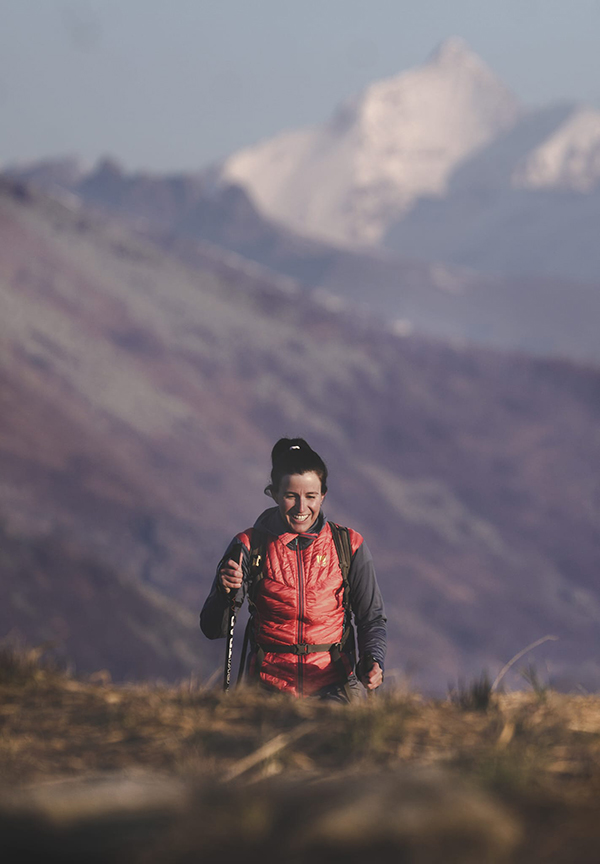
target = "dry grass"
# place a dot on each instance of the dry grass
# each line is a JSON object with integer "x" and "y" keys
{"x": 55, "y": 725}
{"x": 20, "y": 666}
{"x": 541, "y": 757}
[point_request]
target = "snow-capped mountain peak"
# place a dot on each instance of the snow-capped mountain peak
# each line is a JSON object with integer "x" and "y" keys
{"x": 567, "y": 159}
{"x": 401, "y": 138}
{"x": 454, "y": 51}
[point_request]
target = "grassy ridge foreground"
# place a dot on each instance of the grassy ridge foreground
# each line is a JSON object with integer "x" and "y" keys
{"x": 536, "y": 754}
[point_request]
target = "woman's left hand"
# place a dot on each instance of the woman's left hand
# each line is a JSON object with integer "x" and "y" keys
{"x": 373, "y": 678}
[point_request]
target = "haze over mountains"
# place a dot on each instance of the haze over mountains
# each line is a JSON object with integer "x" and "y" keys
{"x": 159, "y": 333}
{"x": 184, "y": 214}
{"x": 487, "y": 211}
{"x": 143, "y": 395}
{"x": 441, "y": 163}
{"x": 399, "y": 139}
{"x": 527, "y": 203}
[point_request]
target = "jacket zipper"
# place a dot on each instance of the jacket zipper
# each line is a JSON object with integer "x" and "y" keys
{"x": 300, "y": 614}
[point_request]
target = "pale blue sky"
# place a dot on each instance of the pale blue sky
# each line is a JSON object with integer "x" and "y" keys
{"x": 174, "y": 84}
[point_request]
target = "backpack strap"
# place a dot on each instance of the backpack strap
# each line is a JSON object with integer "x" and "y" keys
{"x": 258, "y": 551}
{"x": 343, "y": 547}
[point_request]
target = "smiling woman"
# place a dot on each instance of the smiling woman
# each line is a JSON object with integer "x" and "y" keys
{"x": 298, "y": 483}
{"x": 309, "y": 583}
{"x": 299, "y": 498}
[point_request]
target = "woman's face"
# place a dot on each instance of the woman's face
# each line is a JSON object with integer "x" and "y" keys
{"x": 299, "y": 499}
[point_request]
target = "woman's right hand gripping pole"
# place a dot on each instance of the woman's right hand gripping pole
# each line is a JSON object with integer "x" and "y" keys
{"x": 231, "y": 574}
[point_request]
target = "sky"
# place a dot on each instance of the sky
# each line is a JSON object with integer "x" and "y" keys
{"x": 173, "y": 85}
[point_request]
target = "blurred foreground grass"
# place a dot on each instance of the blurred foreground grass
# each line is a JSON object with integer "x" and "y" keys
{"x": 536, "y": 753}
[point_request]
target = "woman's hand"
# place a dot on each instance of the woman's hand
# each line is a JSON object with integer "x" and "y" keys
{"x": 231, "y": 575}
{"x": 373, "y": 678}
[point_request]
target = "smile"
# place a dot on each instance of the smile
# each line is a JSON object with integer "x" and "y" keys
{"x": 300, "y": 518}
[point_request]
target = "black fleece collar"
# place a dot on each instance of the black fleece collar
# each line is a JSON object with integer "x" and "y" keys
{"x": 272, "y": 522}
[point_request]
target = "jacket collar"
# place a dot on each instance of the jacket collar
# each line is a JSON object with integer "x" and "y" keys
{"x": 271, "y": 521}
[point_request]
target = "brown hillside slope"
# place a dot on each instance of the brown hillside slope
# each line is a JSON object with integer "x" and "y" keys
{"x": 542, "y": 314}
{"x": 92, "y": 618}
{"x": 143, "y": 398}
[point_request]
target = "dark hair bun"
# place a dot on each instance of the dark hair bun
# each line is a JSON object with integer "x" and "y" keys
{"x": 287, "y": 447}
{"x": 295, "y": 456}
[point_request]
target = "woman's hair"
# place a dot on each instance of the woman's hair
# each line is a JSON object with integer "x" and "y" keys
{"x": 294, "y": 456}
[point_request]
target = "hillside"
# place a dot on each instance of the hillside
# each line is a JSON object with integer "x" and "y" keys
{"x": 91, "y": 618}
{"x": 145, "y": 396}
{"x": 188, "y": 217}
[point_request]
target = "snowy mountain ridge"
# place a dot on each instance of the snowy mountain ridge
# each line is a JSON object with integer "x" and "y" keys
{"x": 348, "y": 179}
{"x": 527, "y": 204}
{"x": 568, "y": 159}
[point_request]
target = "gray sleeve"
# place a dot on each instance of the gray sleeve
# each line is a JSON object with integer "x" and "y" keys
{"x": 215, "y": 612}
{"x": 367, "y": 606}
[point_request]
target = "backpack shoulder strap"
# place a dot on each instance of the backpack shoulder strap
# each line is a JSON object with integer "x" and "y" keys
{"x": 343, "y": 547}
{"x": 258, "y": 550}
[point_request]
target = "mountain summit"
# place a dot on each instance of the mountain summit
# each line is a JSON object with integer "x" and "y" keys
{"x": 454, "y": 51}
{"x": 348, "y": 179}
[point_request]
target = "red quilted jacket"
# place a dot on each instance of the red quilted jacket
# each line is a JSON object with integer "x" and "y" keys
{"x": 299, "y": 601}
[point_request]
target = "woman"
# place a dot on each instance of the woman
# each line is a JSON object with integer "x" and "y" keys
{"x": 304, "y": 578}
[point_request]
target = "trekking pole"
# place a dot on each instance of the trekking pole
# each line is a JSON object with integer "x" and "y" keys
{"x": 236, "y": 555}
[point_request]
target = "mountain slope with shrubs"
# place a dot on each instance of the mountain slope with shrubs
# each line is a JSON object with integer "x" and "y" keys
{"x": 187, "y": 216}
{"x": 143, "y": 396}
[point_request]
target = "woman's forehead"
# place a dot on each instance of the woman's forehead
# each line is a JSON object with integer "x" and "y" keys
{"x": 307, "y": 482}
